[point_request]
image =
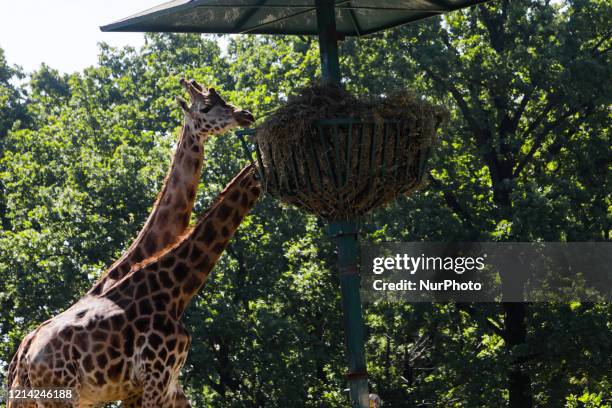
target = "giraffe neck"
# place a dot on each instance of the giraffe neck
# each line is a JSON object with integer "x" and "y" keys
{"x": 171, "y": 211}
{"x": 169, "y": 282}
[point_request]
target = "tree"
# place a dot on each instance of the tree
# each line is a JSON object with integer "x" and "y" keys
{"x": 524, "y": 157}
{"x": 523, "y": 80}
{"x": 12, "y": 113}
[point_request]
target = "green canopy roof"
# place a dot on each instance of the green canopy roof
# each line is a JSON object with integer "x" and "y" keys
{"x": 353, "y": 17}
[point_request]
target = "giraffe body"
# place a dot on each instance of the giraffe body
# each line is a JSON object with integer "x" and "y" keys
{"x": 124, "y": 339}
{"x": 98, "y": 352}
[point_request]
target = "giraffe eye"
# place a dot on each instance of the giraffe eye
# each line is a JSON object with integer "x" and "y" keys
{"x": 206, "y": 109}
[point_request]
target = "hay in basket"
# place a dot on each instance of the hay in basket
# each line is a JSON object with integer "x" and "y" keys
{"x": 339, "y": 156}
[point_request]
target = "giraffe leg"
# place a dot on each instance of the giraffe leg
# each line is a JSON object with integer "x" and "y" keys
{"x": 42, "y": 375}
{"x": 19, "y": 377}
{"x": 159, "y": 395}
{"x": 133, "y": 402}
{"x": 55, "y": 404}
{"x": 21, "y": 380}
{"x": 156, "y": 392}
{"x": 178, "y": 396}
{"x": 73, "y": 402}
{"x": 22, "y": 404}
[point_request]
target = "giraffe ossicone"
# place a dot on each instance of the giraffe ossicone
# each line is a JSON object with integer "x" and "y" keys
{"x": 124, "y": 339}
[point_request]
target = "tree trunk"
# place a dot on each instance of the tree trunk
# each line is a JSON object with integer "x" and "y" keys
{"x": 515, "y": 325}
{"x": 515, "y": 333}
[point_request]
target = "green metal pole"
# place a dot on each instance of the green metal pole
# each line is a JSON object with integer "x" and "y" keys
{"x": 328, "y": 41}
{"x": 344, "y": 234}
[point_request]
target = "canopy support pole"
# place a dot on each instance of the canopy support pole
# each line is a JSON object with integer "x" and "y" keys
{"x": 344, "y": 234}
{"x": 328, "y": 41}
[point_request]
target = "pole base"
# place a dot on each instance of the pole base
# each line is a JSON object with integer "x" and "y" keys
{"x": 360, "y": 395}
{"x": 344, "y": 233}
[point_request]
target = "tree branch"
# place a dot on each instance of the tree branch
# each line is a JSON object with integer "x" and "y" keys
{"x": 470, "y": 84}
{"x": 539, "y": 139}
{"x": 604, "y": 38}
{"x": 521, "y": 108}
{"x": 215, "y": 386}
{"x": 463, "y": 106}
{"x": 552, "y": 103}
{"x": 495, "y": 27}
{"x": 473, "y": 314}
{"x": 455, "y": 206}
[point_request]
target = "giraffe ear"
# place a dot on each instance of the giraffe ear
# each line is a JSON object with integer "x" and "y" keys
{"x": 183, "y": 104}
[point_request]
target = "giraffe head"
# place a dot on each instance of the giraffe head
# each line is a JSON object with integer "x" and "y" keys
{"x": 209, "y": 114}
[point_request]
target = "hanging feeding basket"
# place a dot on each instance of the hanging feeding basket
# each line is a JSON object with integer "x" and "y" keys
{"x": 339, "y": 157}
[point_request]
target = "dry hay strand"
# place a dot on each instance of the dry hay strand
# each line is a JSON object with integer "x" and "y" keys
{"x": 342, "y": 171}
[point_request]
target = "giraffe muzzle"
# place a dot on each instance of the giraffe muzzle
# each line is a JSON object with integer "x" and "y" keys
{"x": 244, "y": 118}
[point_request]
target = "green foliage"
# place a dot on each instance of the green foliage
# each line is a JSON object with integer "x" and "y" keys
{"x": 524, "y": 157}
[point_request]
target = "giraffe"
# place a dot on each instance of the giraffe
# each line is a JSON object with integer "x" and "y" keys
{"x": 208, "y": 115}
{"x": 128, "y": 343}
